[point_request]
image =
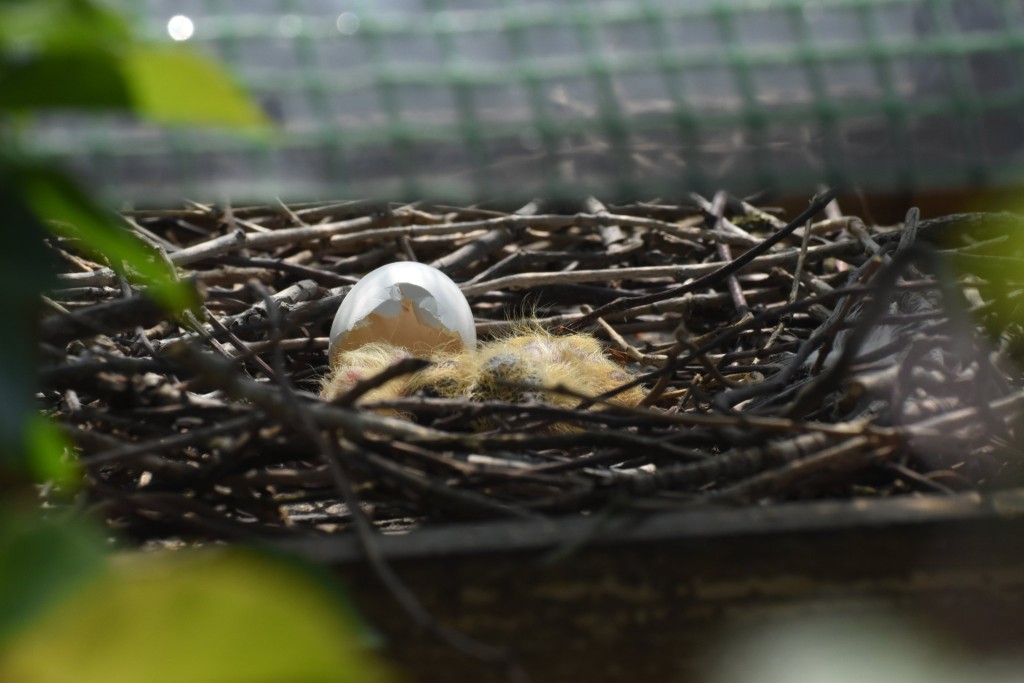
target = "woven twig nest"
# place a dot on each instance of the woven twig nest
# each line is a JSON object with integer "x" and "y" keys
{"x": 844, "y": 360}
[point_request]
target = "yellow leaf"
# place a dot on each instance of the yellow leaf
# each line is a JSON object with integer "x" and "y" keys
{"x": 177, "y": 86}
{"x": 196, "y": 616}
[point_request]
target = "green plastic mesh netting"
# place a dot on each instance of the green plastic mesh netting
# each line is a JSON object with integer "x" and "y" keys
{"x": 471, "y": 99}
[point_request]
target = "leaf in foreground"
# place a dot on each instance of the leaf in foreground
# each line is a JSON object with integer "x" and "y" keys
{"x": 53, "y": 196}
{"x": 201, "y": 617}
{"x": 172, "y": 85}
{"x": 42, "y": 561}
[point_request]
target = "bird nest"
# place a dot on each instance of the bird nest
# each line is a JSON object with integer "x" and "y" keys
{"x": 769, "y": 357}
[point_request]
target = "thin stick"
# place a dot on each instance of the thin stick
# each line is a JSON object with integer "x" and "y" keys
{"x": 717, "y": 275}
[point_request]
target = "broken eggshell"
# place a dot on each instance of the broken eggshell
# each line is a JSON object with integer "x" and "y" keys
{"x": 411, "y": 305}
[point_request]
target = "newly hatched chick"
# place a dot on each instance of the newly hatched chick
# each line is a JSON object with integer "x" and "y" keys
{"x": 529, "y": 364}
{"x": 517, "y": 368}
{"x": 544, "y": 362}
{"x": 352, "y": 366}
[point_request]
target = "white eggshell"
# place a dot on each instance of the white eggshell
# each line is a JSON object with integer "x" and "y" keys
{"x": 407, "y": 304}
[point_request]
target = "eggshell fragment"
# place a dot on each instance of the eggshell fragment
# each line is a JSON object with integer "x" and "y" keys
{"x": 410, "y": 305}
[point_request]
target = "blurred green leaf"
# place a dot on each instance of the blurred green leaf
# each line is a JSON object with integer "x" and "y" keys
{"x": 201, "y": 617}
{"x": 86, "y": 80}
{"x": 998, "y": 260}
{"x": 31, "y": 25}
{"x": 78, "y": 54}
{"x": 167, "y": 85}
{"x": 174, "y": 85}
{"x": 47, "y": 449}
{"x": 42, "y": 561}
{"x": 54, "y": 197}
{"x": 27, "y": 267}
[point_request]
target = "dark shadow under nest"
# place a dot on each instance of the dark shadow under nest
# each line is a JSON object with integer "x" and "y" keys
{"x": 813, "y": 358}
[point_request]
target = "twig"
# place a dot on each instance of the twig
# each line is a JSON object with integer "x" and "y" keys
{"x": 719, "y": 273}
